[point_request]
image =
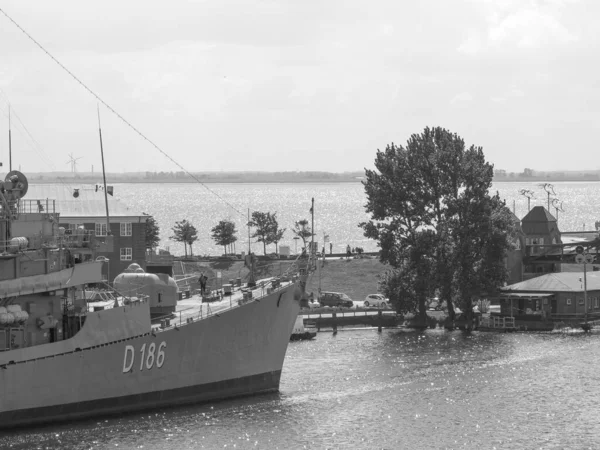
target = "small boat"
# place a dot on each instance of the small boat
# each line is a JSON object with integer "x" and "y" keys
{"x": 302, "y": 331}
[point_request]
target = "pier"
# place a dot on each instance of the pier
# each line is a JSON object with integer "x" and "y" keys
{"x": 344, "y": 317}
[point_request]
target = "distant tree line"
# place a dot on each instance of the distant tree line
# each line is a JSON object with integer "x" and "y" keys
{"x": 527, "y": 173}
{"x": 255, "y": 176}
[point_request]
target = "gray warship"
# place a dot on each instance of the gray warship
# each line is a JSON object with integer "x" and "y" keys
{"x": 65, "y": 357}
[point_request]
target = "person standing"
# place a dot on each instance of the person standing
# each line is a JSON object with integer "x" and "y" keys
{"x": 204, "y": 280}
{"x": 348, "y": 251}
{"x": 331, "y": 248}
{"x": 202, "y": 283}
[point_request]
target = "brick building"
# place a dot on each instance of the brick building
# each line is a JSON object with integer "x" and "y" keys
{"x": 127, "y": 226}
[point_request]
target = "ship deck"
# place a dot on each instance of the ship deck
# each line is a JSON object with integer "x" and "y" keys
{"x": 194, "y": 308}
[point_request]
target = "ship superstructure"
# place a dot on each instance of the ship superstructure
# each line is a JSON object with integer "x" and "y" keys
{"x": 62, "y": 356}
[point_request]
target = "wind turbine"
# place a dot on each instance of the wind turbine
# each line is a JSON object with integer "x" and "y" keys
{"x": 549, "y": 190}
{"x": 73, "y": 161}
{"x": 557, "y": 206}
{"x": 529, "y": 194}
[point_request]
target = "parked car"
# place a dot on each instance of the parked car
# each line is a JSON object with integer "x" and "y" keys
{"x": 376, "y": 300}
{"x": 335, "y": 299}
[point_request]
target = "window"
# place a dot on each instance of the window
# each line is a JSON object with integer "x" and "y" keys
{"x": 101, "y": 229}
{"x": 125, "y": 228}
{"x": 126, "y": 254}
{"x": 74, "y": 226}
{"x": 581, "y": 300}
{"x": 568, "y": 301}
{"x": 597, "y": 302}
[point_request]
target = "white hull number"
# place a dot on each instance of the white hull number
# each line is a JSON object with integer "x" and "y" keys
{"x": 149, "y": 356}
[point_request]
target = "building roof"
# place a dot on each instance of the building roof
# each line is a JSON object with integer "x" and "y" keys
{"x": 557, "y": 282}
{"x": 527, "y": 295}
{"x": 89, "y": 204}
{"x": 514, "y": 218}
{"x": 539, "y": 214}
{"x": 539, "y": 221}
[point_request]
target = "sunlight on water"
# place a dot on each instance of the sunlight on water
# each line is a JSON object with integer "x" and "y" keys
{"x": 339, "y": 208}
{"x": 397, "y": 389}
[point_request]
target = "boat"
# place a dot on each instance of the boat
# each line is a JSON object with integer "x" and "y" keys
{"x": 303, "y": 331}
{"x": 63, "y": 357}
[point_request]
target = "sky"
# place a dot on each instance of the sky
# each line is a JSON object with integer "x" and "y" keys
{"x": 281, "y": 85}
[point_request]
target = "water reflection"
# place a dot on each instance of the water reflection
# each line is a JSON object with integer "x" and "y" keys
{"x": 397, "y": 389}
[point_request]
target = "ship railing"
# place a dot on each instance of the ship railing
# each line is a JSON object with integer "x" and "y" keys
{"x": 81, "y": 239}
{"x": 30, "y": 206}
{"x": 205, "y": 310}
{"x": 302, "y": 264}
{"x": 498, "y": 322}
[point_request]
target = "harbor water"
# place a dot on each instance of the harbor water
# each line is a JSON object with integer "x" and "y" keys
{"x": 339, "y": 208}
{"x": 391, "y": 390}
{"x": 362, "y": 389}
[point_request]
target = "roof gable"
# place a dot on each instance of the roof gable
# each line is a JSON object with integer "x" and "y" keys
{"x": 539, "y": 214}
{"x": 557, "y": 282}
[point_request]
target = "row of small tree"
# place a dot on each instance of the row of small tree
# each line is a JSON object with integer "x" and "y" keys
{"x": 265, "y": 229}
{"x": 264, "y": 224}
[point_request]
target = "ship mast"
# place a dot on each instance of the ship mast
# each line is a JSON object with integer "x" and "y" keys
{"x": 108, "y": 233}
{"x": 9, "y": 142}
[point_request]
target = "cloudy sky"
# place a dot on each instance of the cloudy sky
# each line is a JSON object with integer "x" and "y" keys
{"x": 299, "y": 85}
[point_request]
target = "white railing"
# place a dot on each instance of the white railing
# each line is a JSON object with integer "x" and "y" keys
{"x": 498, "y": 322}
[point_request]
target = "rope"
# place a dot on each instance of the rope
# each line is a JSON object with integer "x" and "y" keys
{"x": 117, "y": 114}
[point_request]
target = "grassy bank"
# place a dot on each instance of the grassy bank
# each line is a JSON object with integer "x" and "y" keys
{"x": 355, "y": 277}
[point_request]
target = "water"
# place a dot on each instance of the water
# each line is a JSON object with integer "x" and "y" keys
{"x": 362, "y": 389}
{"x": 397, "y": 389}
{"x": 339, "y": 208}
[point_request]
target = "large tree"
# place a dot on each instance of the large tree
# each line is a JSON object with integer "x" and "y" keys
{"x": 224, "y": 234}
{"x": 152, "y": 232}
{"x": 185, "y": 232}
{"x": 436, "y": 223}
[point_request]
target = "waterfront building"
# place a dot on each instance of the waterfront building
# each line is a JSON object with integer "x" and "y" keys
{"x": 85, "y": 206}
{"x": 553, "y": 295}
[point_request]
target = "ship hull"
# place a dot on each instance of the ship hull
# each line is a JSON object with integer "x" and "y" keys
{"x": 232, "y": 353}
{"x": 250, "y": 385}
